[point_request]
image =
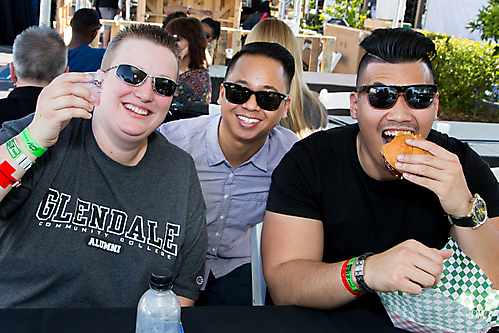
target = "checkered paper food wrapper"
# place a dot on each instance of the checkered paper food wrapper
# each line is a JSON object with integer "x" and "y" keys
{"x": 462, "y": 302}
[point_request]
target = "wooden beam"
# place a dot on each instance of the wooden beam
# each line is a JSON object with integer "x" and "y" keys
{"x": 327, "y": 55}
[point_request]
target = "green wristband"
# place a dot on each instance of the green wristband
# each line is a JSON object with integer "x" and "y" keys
{"x": 349, "y": 275}
{"x": 17, "y": 154}
{"x": 31, "y": 144}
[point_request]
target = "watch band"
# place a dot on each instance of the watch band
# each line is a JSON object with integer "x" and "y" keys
{"x": 465, "y": 221}
{"x": 359, "y": 272}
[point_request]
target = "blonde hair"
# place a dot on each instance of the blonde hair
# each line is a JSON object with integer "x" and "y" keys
{"x": 273, "y": 30}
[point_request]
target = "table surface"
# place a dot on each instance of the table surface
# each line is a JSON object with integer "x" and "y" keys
{"x": 217, "y": 319}
{"x": 289, "y": 319}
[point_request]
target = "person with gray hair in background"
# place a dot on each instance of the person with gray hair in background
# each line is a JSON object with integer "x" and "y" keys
{"x": 39, "y": 55}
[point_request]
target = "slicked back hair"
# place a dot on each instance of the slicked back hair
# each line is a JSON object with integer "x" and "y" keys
{"x": 147, "y": 32}
{"x": 396, "y": 46}
{"x": 39, "y": 54}
{"x": 270, "y": 50}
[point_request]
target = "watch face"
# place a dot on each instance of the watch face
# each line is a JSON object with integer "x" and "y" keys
{"x": 479, "y": 211}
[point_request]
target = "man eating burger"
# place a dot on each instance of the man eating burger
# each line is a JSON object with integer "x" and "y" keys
{"x": 339, "y": 224}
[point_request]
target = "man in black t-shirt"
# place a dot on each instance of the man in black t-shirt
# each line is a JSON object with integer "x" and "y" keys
{"x": 333, "y": 199}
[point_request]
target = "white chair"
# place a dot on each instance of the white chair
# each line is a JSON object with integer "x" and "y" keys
{"x": 496, "y": 172}
{"x": 258, "y": 285}
{"x": 213, "y": 108}
{"x": 337, "y": 102}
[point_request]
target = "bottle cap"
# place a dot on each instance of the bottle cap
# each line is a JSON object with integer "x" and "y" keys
{"x": 161, "y": 278}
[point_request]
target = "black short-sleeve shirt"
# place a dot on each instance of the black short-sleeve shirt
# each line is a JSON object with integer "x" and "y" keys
{"x": 321, "y": 178}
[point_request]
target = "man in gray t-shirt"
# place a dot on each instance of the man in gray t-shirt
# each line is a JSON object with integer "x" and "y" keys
{"x": 110, "y": 199}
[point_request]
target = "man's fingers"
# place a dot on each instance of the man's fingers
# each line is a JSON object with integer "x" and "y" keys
{"x": 445, "y": 254}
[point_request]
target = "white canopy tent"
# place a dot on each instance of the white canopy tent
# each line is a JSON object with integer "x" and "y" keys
{"x": 451, "y": 17}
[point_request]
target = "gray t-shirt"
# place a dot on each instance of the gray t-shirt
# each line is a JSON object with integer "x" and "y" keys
{"x": 85, "y": 231}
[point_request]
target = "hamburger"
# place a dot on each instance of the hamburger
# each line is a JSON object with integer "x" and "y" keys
{"x": 398, "y": 146}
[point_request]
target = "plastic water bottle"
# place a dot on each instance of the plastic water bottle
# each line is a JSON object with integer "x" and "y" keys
{"x": 159, "y": 308}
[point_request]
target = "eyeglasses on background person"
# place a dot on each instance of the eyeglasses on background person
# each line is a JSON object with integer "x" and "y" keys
{"x": 267, "y": 100}
{"x": 384, "y": 97}
{"x": 135, "y": 76}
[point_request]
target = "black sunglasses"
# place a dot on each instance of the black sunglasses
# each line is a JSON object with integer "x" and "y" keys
{"x": 135, "y": 76}
{"x": 267, "y": 100}
{"x": 208, "y": 36}
{"x": 419, "y": 96}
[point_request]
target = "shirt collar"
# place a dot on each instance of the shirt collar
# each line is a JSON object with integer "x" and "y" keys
{"x": 215, "y": 155}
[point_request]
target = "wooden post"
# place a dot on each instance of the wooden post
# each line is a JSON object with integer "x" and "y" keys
{"x": 221, "y": 46}
{"x": 236, "y": 40}
{"x": 327, "y": 54}
{"x": 141, "y": 11}
{"x": 238, "y": 8}
{"x": 314, "y": 54}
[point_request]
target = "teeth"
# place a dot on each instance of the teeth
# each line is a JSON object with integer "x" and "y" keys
{"x": 136, "y": 109}
{"x": 395, "y": 133}
{"x": 248, "y": 120}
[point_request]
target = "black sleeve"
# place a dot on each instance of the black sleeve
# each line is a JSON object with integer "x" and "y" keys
{"x": 481, "y": 180}
{"x": 295, "y": 188}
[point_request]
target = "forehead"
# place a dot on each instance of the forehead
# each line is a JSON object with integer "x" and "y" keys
{"x": 158, "y": 59}
{"x": 207, "y": 28}
{"x": 396, "y": 74}
{"x": 258, "y": 70}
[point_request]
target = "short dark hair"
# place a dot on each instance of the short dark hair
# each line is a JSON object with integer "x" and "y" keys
{"x": 270, "y": 50}
{"x": 85, "y": 20}
{"x": 214, "y": 25}
{"x": 396, "y": 46}
{"x": 40, "y": 54}
{"x": 173, "y": 16}
{"x": 191, "y": 29}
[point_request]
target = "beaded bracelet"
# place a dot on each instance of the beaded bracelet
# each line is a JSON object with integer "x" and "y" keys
{"x": 345, "y": 281}
{"x": 359, "y": 272}
{"x": 31, "y": 144}
{"x": 17, "y": 154}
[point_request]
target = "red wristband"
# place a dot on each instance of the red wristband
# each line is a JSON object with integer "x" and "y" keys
{"x": 6, "y": 178}
{"x": 345, "y": 282}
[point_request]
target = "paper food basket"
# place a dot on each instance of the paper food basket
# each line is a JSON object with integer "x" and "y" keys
{"x": 462, "y": 302}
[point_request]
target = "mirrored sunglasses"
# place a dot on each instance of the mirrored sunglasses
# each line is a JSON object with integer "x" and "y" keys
{"x": 267, "y": 100}
{"x": 135, "y": 76}
{"x": 384, "y": 97}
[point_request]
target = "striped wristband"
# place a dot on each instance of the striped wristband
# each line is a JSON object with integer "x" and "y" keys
{"x": 18, "y": 155}
{"x": 31, "y": 144}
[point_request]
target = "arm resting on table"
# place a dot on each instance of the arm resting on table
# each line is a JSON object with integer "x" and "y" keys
{"x": 292, "y": 250}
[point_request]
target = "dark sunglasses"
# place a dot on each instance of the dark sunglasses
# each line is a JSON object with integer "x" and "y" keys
{"x": 267, "y": 100}
{"x": 135, "y": 76}
{"x": 177, "y": 38}
{"x": 208, "y": 36}
{"x": 384, "y": 97}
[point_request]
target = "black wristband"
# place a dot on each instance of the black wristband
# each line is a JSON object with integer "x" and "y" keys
{"x": 359, "y": 272}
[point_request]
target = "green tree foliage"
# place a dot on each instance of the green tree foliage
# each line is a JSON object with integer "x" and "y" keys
{"x": 350, "y": 10}
{"x": 465, "y": 72}
{"x": 487, "y": 23}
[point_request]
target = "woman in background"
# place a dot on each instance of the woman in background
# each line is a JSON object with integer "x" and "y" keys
{"x": 306, "y": 113}
{"x": 194, "y": 83}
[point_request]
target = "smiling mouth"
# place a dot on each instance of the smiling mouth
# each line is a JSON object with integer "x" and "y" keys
{"x": 136, "y": 110}
{"x": 388, "y": 136}
{"x": 247, "y": 120}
